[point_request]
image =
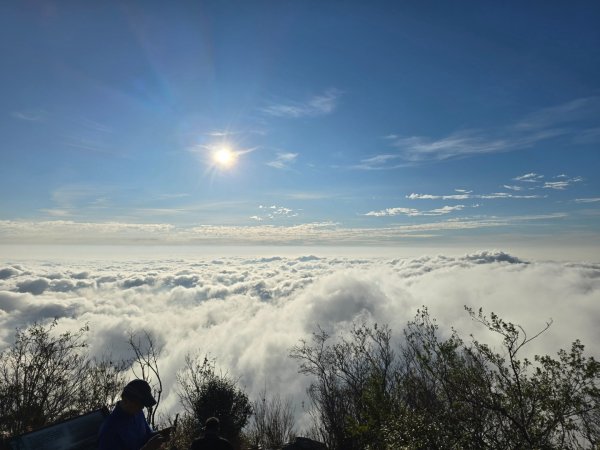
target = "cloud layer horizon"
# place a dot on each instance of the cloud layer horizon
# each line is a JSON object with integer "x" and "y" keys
{"x": 248, "y": 312}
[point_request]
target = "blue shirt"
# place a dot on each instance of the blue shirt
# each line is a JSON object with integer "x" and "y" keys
{"x": 122, "y": 431}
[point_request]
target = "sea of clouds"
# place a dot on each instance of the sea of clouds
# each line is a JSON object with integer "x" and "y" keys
{"x": 248, "y": 312}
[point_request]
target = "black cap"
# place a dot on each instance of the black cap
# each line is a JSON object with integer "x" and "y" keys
{"x": 139, "y": 390}
{"x": 212, "y": 424}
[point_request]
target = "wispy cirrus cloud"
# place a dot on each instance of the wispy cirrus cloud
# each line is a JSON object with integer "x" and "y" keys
{"x": 380, "y": 162}
{"x": 531, "y": 177}
{"x": 588, "y": 200}
{"x": 492, "y": 196}
{"x": 173, "y": 196}
{"x": 562, "y": 184}
{"x": 461, "y": 143}
{"x": 569, "y": 120}
{"x": 34, "y": 115}
{"x": 88, "y": 144}
{"x": 309, "y": 195}
{"x": 221, "y": 133}
{"x": 316, "y": 105}
{"x": 411, "y": 212}
{"x": 224, "y": 133}
{"x": 71, "y": 199}
{"x": 512, "y": 187}
{"x": 572, "y": 111}
{"x": 283, "y": 160}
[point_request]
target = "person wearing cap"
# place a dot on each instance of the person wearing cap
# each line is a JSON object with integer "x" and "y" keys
{"x": 211, "y": 439}
{"x": 126, "y": 427}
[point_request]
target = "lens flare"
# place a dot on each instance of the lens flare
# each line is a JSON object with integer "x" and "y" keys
{"x": 224, "y": 158}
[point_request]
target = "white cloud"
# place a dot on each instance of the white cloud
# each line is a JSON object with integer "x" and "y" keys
{"x": 415, "y": 212}
{"x": 531, "y": 177}
{"x": 277, "y": 212}
{"x": 543, "y": 125}
{"x": 30, "y": 115}
{"x": 561, "y": 185}
{"x": 393, "y": 212}
{"x": 418, "y": 148}
{"x": 317, "y": 105}
{"x": 512, "y": 188}
{"x": 557, "y": 185}
{"x": 414, "y": 196}
{"x": 378, "y": 162}
{"x": 563, "y": 182}
{"x": 56, "y": 212}
{"x": 221, "y": 133}
{"x": 248, "y": 312}
{"x": 445, "y": 210}
{"x": 588, "y": 200}
{"x": 64, "y": 231}
{"x": 494, "y": 195}
{"x": 283, "y": 160}
{"x": 313, "y": 233}
{"x": 574, "y": 110}
{"x": 172, "y": 196}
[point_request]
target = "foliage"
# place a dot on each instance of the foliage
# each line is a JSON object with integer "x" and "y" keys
{"x": 46, "y": 377}
{"x": 185, "y": 432}
{"x": 443, "y": 392}
{"x": 272, "y": 423}
{"x": 430, "y": 390}
{"x": 206, "y": 393}
{"x": 352, "y": 394}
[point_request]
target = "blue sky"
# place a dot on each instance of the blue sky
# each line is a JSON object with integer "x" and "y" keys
{"x": 368, "y": 123}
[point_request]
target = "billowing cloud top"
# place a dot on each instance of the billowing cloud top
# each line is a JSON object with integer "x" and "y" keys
{"x": 248, "y": 313}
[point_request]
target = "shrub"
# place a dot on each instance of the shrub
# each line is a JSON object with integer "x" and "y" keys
{"x": 46, "y": 377}
{"x": 205, "y": 393}
{"x": 439, "y": 392}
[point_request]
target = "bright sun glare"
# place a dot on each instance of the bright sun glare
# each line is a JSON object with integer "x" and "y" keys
{"x": 224, "y": 157}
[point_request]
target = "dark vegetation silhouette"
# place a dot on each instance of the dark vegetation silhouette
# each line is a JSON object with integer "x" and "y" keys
{"x": 436, "y": 392}
{"x": 369, "y": 389}
{"x": 144, "y": 366}
{"x": 46, "y": 378}
{"x": 272, "y": 421}
{"x": 206, "y": 392}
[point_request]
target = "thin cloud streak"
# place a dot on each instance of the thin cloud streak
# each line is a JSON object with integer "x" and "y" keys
{"x": 544, "y": 125}
{"x": 379, "y": 162}
{"x": 326, "y": 233}
{"x": 411, "y": 212}
{"x": 531, "y": 177}
{"x": 563, "y": 184}
{"x": 283, "y": 160}
{"x": 30, "y": 116}
{"x": 492, "y": 196}
{"x": 317, "y": 105}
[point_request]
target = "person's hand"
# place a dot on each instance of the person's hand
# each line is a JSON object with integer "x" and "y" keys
{"x": 154, "y": 443}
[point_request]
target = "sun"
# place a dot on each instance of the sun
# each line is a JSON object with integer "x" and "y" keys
{"x": 224, "y": 157}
